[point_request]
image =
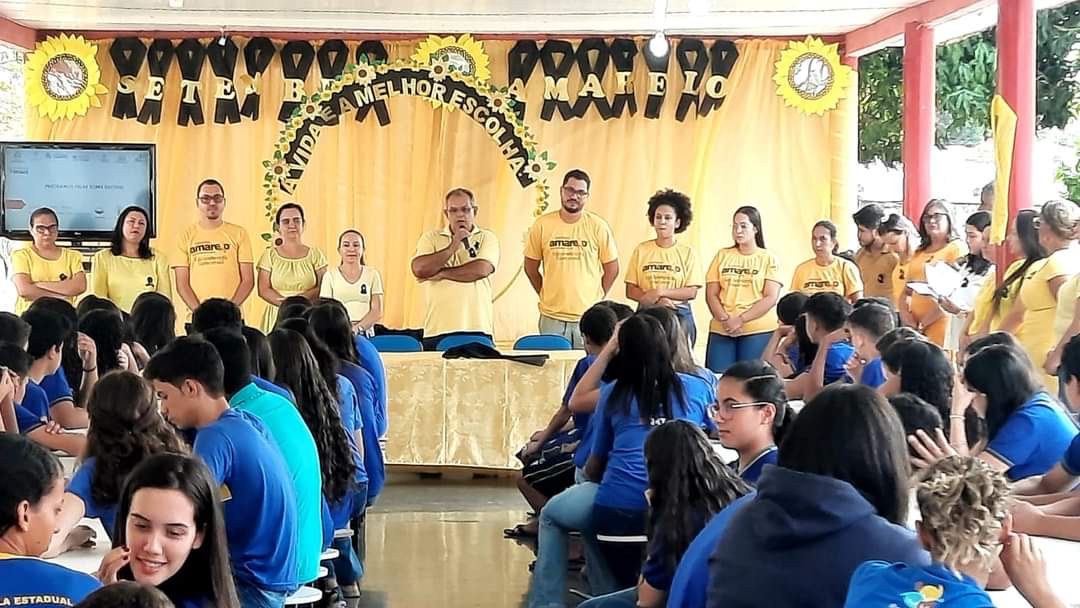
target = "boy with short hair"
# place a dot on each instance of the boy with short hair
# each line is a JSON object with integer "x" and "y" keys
{"x": 866, "y": 325}
{"x": 826, "y": 314}
{"x": 45, "y": 344}
{"x": 26, "y": 409}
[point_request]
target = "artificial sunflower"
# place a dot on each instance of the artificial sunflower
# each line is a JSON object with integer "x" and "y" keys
{"x": 63, "y": 79}
{"x": 439, "y": 69}
{"x": 810, "y": 76}
{"x": 463, "y": 54}
{"x": 364, "y": 74}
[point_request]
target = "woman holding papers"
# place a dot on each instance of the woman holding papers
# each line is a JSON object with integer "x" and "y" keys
{"x": 974, "y": 270}
{"x": 939, "y": 243}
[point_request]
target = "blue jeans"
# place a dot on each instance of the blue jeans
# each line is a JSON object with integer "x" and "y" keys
{"x": 567, "y": 329}
{"x": 255, "y": 597}
{"x": 724, "y": 351}
{"x": 627, "y": 598}
{"x": 567, "y": 511}
{"x": 686, "y": 317}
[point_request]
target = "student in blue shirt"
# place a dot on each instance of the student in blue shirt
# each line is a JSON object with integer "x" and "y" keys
{"x": 79, "y": 357}
{"x": 866, "y": 325}
{"x": 262, "y": 363}
{"x": 965, "y": 521}
{"x": 57, "y": 392}
{"x": 690, "y": 583}
{"x": 372, "y": 363}
{"x": 29, "y": 407}
{"x": 125, "y": 429}
{"x": 751, "y": 415}
{"x": 837, "y": 497}
{"x": 48, "y": 333}
{"x": 688, "y": 485}
{"x": 922, "y": 369}
{"x": 171, "y": 534}
{"x": 825, "y": 315}
{"x": 784, "y": 350}
{"x": 260, "y": 503}
{"x": 286, "y": 428}
{"x": 30, "y": 499}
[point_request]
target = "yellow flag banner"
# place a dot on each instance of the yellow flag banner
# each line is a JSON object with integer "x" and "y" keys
{"x": 1003, "y": 125}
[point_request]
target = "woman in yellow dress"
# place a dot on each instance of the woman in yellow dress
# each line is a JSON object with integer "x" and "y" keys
{"x": 1037, "y": 304}
{"x": 289, "y": 267}
{"x": 826, "y": 271}
{"x": 899, "y": 236}
{"x": 44, "y": 270}
{"x": 129, "y": 267}
{"x": 939, "y": 243}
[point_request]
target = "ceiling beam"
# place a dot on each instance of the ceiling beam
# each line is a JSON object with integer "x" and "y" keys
{"x": 16, "y": 34}
{"x": 889, "y": 31}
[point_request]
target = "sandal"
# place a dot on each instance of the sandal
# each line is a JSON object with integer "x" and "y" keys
{"x": 518, "y": 531}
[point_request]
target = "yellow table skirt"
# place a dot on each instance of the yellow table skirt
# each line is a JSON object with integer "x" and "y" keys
{"x": 469, "y": 412}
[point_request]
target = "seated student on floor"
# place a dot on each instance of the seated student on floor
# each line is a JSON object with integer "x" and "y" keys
{"x": 866, "y": 325}
{"x": 30, "y": 407}
{"x": 48, "y": 333}
{"x": 965, "y": 525}
{"x": 549, "y": 468}
{"x": 825, "y": 315}
{"x": 171, "y": 534}
{"x": 125, "y": 429}
{"x": 30, "y": 498}
{"x": 78, "y": 370}
{"x": 841, "y": 491}
{"x": 286, "y": 428}
{"x": 751, "y": 415}
{"x": 785, "y": 350}
{"x": 688, "y": 485}
{"x": 260, "y": 513}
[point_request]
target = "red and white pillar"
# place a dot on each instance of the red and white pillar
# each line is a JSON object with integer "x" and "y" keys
{"x": 1016, "y": 84}
{"x": 918, "y": 116}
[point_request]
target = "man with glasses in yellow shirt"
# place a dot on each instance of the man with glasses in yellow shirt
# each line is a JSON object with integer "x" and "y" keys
{"x": 213, "y": 258}
{"x": 579, "y": 258}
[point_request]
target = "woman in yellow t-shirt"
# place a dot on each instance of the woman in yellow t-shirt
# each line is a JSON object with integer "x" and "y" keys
{"x": 938, "y": 243}
{"x": 289, "y": 267}
{"x": 129, "y": 267}
{"x": 741, "y": 289}
{"x": 899, "y": 236}
{"x": 826, "y": 271}
{"x": 355, "y": 284}
{"x": 663, "y": 271}
{"x": 44, "y": 270}
{"x": 1038, "y": 300}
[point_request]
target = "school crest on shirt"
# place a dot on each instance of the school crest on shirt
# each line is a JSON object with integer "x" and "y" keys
{"x": 924, "y": 596}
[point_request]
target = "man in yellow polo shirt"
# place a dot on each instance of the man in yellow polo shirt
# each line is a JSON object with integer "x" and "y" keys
{"x": 579, "y": 258}
{"x": 213, "y": 258}
{"x": 455, "y": 265}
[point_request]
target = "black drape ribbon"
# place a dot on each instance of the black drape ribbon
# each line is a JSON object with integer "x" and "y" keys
{"x": 723, "y": 56}
{"x": 373, "y": 52}
{"x": 296, "y": 59}
{"x": 223, "y": 63}
{"x": 658, "y": 82}
{"x": 520, "y": 64}
{"x": 332, "y": 56}
{"x": 158, "y": 59}
{"x": 622, "y": 52}
{"x": 127, "y": 57}
{"x": 693, "y": 60}
{"x": 258, "y": 53}
{"x": 592, "y": 59}
{"x": 557, "y": 57}
{"x": 190, "y": 55}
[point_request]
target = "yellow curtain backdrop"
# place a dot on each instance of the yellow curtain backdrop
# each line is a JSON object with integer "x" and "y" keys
{"x": 389, "y": 181}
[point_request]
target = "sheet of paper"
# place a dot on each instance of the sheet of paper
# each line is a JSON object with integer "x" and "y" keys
{"x": 943, "y": 278}
{"x": 923, "y": 289}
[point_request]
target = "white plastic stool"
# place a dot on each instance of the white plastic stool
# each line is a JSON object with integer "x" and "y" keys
{"x": 304, "y": 595}
{"x": 329, "y": 554}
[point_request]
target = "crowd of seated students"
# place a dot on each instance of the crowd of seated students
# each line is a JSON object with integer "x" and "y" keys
{"x": 220, "y": 464}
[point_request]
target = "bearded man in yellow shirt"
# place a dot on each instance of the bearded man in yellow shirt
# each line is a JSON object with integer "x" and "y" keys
{"x": 579, "y": 258}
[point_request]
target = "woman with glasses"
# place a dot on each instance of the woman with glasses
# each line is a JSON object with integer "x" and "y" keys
{"x": 44, "y": 270}
{"x": 129, "y": 267}
{"x": 938, "y": 243}
{"x": 751, "y": 415}
{"x": 288, "y": 267}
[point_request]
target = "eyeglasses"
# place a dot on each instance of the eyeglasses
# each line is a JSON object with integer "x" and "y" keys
{"x": 936, "y": 217}
{"x": 217, "y": 198}
{"x": 573, "y": 192}
{"x": 47, "y": 229}
{"x": 460, "y": 210}
{"x": 728, "y": 408}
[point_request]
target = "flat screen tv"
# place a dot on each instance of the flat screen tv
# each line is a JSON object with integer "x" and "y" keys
{"x": 86, "y": 184}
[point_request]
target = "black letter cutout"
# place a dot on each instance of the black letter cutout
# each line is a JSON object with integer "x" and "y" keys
{"x": 223, "y": 63}
{"x": 158, "y": 59}
{"x": 658, "y": 67}
{"x": 592, "y": 77}
{"x": 723, "y": 55}
{"x": 127, "y": 57}
{"x": 332, "y": 57}
{"x": 556, "y": 77}
{"x": 623, "y": 51}
{"x": 296, "y": 59}
{"x": 521, "y": 61}
{"x": 258, "y": 53}
{"x": 693, "y": 58}
{"x": 374, "y": 52}
{"x": 190, "y": 55}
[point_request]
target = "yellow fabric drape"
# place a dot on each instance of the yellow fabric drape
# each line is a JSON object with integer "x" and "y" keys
{"x": 1003, "y": 125}
{"x": 389, "y": 181}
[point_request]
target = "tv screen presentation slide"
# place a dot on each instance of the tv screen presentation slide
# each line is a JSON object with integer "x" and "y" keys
{"x": 87, "y": 188}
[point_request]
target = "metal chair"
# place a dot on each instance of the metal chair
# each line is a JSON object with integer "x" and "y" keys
{"x": 393, "y": 343}
{"x": 543, "y": 342}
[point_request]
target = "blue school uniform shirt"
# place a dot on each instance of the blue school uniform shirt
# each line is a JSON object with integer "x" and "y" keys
{"x": 290, "y": 434}
{"x": 80, "y": 485}
{"x": 581, "y": 421}
{"x": 56, "y": 387}
{"x": 372, "y": 363}
{"x": 258, "y": 500}
{"x": 364, "y": 384}
{"x": 349, "y": 408}
{"x": 620, "y": 439}
{"x": 33, "y": 411}
{"x": 873, "y": 374}
{"x": 1071, "y": 460}
{"x": 878, "y": 583}
{"x": 690, "y": 583}
{"x": 835, "y": 359}
{"x": 753, "y": 470}
{"x": 29, "y": 581}
{"x": 1034, "y": 437}
{"x": 270, "y": 387}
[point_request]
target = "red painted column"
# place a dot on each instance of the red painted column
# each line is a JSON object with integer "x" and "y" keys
{"x": 919, "y": 112}
{"x": 1016, "y": 83}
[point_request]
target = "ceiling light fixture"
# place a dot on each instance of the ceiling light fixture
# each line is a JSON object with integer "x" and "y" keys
{"x": 658, "y": 45}
{"x": 223, "y": 39}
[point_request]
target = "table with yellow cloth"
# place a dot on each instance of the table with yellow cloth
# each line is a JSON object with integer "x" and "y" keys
{"x": 469, "y": 412}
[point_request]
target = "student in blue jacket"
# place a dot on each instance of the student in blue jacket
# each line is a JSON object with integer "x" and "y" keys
{"x": 837, "y": 497}
{"x": 751, "y": 415}
{"x": 171, "y": 534}
{"x": 965, "y": 525}
{"x": 30, "y": 498}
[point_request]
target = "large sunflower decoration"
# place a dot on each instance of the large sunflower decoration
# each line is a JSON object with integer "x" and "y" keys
{"x": 63, "y": 79}
{"x": 810, "y": 77}
{"x": 463, "y": 56}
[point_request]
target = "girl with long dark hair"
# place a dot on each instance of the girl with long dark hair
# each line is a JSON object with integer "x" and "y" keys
{"x": 752, "y": 415}
{"x": 170, "y": 534}
{"x": 938, "y": 243}
{"x": 827, "y": 271}
{"x": 741, "y": 289}
{"x": 922, "y": 369}
{"x": 153, "y": 321}
{"x": 995, "y": 304}
{"x": 288, "y": 267}
{"x": 129, "y": 266}
{"x": 355, "y": 284}
{"x": 107, "y": 329}
{"x": 976, "y": 269}
{"x": 125, "y": 429}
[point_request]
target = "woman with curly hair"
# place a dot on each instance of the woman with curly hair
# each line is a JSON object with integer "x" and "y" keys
{"x": 965, "y": 525}
{"x": 922, "y": 369}
{"x": 663, "y": 271}
{"x": 827, "y": 271}
{"x": 125, "y": 428}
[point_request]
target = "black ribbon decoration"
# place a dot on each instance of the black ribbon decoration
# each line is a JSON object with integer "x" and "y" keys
{"x": 190, "y": 55}
{"x": 258, "y": 53}
{"x": 296, "y": 59}
{"x": 223, "y": 63}
{"x": 592, "y": 77}
{"x": 521, "y": 61}
{"x": 127, "y": 57}
{"x": 373, "y": 52}
{"x": 332, "y": 56}
{"x": 158, "y": 59}
{"x": 622, "y": 52}
{"x": 693, "y": 60}
{"x": 723, "y": 56}
{"x": 557, "y": 58}
{"x": 658, "y": 82}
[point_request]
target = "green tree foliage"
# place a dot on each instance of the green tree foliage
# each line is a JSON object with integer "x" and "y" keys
{"x": 966, "y": 80}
